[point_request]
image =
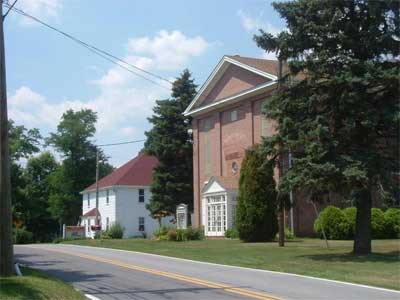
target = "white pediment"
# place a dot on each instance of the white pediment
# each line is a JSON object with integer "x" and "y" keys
{"x": 213, "y": 187}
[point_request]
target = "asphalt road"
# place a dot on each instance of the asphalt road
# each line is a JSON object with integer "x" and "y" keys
{"x": 115, "y": 274}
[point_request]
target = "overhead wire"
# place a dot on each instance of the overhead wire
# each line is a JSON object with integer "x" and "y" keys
{"x": 102, "y": 53}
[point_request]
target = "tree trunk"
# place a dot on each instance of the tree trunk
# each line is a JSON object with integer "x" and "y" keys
{"x": 281, "y": 223}
{"x": 362, "y": 238}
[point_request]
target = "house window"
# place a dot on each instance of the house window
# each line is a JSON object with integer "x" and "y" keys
{"x": 88, "y": 200}
{"x": 107, "y": 223}
{"x": 107, "y": 197}
{"x": 234, "y": 115}
{"x": 141, "y": 195}
{"x": 88, "y": 225}
{"x": 141, "y": 223}
{"x": 216, "y": 215}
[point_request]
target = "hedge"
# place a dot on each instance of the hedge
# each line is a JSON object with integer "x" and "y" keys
{"x": 178, "y": 235}
{"x": 340, "y": 224}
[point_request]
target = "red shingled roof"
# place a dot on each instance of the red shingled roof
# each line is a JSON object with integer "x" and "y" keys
{"x": 266, "y": 65}
{"x": 137, "y": 171}
{"x": 91, "y": 213}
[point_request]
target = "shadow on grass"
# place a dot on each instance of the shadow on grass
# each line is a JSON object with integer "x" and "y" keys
{"x": 13, "y": 287}
{"x": 388, "y": 257}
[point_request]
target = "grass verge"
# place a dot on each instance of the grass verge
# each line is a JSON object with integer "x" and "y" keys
{"x": 35, "y": 285}
{"x": 306, "y": 257}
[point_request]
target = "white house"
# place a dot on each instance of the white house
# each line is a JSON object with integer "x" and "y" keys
{"x": 123, "y": 196}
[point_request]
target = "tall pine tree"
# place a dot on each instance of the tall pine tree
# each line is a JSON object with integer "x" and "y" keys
{"x": 338, "y": 110}
{"x": 256, "y": 216}
{"x": 170, "y": 141}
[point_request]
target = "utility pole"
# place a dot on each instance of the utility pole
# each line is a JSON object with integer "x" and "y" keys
{"x": 97, "y": 187}
{"x": 6, "y": 245}
{"x": 281, "y": 201}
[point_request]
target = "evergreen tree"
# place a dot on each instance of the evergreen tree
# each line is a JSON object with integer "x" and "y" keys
{"x": 73, "y": 140}
{"x": 170, "y": 141}
{"x": 338, "y": 109}
{"x": 256, "y": 217}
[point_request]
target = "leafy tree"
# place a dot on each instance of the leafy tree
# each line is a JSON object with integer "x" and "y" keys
{"x": 73, "y": 139}
{"x": 23, "y": 144}
{"x": 256, "y": 211}
{"x": 171, "y": 143}
{"x": 338, "y": 109}
{"x": 36, "y": 216}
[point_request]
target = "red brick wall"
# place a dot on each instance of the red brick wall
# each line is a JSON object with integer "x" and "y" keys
{"x": 234, "y": 80}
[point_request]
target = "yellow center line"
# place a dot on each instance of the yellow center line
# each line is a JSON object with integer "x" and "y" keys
{"x": 227, "y": 288}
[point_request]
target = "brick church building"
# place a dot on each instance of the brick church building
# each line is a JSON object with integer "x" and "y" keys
{"x": 227, "y": 119}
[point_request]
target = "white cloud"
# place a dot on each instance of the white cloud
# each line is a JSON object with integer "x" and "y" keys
{"x": 124, "y": 101}
{"x": 168, "y": 50}
{"x": 42, "y": 9}
{"x": 253, "y": 24}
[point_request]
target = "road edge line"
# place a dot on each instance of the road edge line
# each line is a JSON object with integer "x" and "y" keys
{"x": 91, "y": 297}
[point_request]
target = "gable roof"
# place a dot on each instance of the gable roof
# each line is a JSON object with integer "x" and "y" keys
{"x": 136, "y": 172}
{"x": 227, "y": 183}
{"x": 262, "y": 67}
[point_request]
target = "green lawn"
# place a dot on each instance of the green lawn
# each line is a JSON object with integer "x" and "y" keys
{"x": 305, "y": 256}
{"x": 35, "y": 285}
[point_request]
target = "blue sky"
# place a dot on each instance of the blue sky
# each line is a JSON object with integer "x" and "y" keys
{"x": 47, "y": 74}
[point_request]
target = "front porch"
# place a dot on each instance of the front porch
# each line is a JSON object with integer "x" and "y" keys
{"x": 218, "y": 208}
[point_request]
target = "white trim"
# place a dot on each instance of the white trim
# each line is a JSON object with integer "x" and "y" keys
{"x": 237, "y": 267}
{"x": 230, "y": 99}
{"x": 216, "y": 70}
{"x": 252, "y": 69}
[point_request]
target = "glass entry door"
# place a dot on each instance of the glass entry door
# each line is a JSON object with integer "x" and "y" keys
{"x": 216, "y": 215}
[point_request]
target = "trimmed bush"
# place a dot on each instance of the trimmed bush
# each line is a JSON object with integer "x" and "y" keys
{"x": 232, "y": 233}
{"x": 378, "y": 224}
{"x": 256, "y": 211}
{"x": 392, "y": 220}
{"x": 194, "y": 234}
{"x": 181, "y": 235}
{"x": 334, "y": 222}
{"x": 116, "y": 231}
{"x": 22, "y": 236}
{"x": 350, "y": 214}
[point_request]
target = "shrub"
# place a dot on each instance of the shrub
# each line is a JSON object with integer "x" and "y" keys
{"x": 172, "y": 234}
{"x": 392, "y": 220}
{"x": 116, "y": 231}
{"x": 194, "y": 234}
{"x": 334, "y": 222}
{"x": 378, "y": 224}
{"x": 232, "y": 233}
{"x": 256, "y": 210}
{"x": 288, "y": 235}
{"x": 22, "y": 236}
{"x": 161, "y": 233}
{"x": 350, "y": 214}
{"x": 181, "y": 235}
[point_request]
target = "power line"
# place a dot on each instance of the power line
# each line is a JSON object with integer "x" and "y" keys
{"x": 10, "y": 8}
{"x": 121, "y": 143}
{"x": 102, "y": 53}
